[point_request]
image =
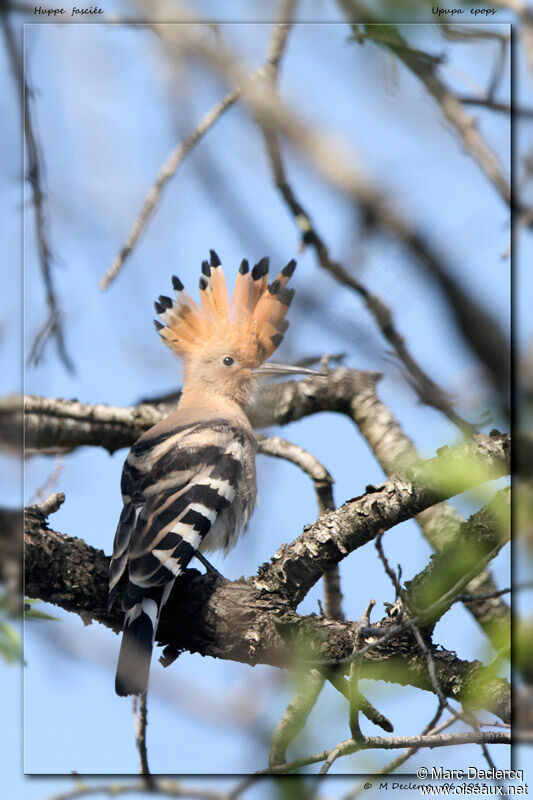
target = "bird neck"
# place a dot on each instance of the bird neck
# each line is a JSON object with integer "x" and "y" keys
{"x": 192, "y": 398}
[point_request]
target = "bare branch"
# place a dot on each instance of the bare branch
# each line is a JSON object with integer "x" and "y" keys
{"x": 243, "y": 621}
{"x": 178, "y": 155}
{"x": 53, "y": 326}
{"x": 53, "y": 424}
{"x": 350, "y": 746}
{"x": 338, "y": 164}
{"x": 140, "y": 717}
{"x": 425, "y": 70}
{"x": 52, "y": 504}
{"x": 427, "y": 390}
{"x": 494, "y": 105}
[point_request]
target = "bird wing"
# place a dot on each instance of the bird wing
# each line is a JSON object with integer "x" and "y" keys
{"x": 178, "y": 482}
{"x": 175, "y": 488}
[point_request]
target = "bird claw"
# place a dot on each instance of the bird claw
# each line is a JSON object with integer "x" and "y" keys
{"x": 209, "y": 567}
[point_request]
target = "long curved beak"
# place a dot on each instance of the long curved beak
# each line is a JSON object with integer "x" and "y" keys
{"x": 270, "y": 368}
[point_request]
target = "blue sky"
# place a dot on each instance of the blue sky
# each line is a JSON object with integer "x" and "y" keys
{"x": 108, "y": 109}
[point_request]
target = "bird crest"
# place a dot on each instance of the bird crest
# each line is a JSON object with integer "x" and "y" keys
{"x": 252, "y": 321}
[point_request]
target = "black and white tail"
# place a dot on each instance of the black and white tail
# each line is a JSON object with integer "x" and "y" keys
{"x": 140, "y": 626}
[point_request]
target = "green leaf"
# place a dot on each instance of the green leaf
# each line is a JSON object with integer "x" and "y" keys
{"x": 35, "y": 613}
{"x": 10, "y": 644}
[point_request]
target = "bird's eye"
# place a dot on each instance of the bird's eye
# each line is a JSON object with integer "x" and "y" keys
{"x": 228, "y": 361}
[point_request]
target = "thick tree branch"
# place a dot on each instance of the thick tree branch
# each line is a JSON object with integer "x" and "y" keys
{"x": 432, "y": 591}
{"x": 255, "y": 621}
{"x": 54, "y": 425}
{"x": 242, "y": 622}
{"x": 299, "y": 565}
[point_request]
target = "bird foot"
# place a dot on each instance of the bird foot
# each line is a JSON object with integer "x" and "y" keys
{"x": 209, "y": 567}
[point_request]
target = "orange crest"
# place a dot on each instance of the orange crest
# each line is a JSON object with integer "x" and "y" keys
{"x": 254, "y": 320}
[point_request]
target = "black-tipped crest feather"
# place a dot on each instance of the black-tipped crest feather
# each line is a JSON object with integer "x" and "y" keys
{"x": 253, "y": 320}
{"x": 289, "y": 269}
{"x": 260, "y": 269}
{"x": 165, "y": 301}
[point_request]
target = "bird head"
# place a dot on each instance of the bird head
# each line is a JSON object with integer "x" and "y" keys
{"x": 224, "y": 343}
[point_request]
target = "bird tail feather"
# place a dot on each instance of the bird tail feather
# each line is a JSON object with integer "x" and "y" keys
{"x": 136, "y": 650}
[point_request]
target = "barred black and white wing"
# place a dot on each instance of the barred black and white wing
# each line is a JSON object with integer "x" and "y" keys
{"x": 185, "y": 488}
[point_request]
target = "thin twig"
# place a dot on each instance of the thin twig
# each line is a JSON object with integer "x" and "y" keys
{"x": 53, "y": 326}
{"x": 426, "y": 71}
{"x": 178, "y": 155}
{"x": 349, "y": 747}
{"x": 463, "y": 597}
{"x": 427, "y": 390}
{"x": 167, "y": 171}
{"x": 370, "y": 712}
{"x": 426, "y": 650}
{"x": 393, "y": 765}
{"x": 494, "y": 105}
{"x": 140, "y": 718}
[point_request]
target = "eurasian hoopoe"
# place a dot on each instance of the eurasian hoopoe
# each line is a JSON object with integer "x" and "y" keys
{"x": 188, "y": 483}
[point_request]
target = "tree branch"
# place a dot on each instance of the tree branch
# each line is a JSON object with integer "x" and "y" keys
{"x": 254, "y": 620}
{"x": 179, "y": 154}
{"x": 427, "y": 390}
{"x": 478, "y": 539}
{"x": 336, "y": 162}
{"x": 55, "y": 425}
{"x": 425, "y": 69}
{"x": 298, "y": 566}
{"x": 53, "y": 325}
{"x": 391, "y": 743}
